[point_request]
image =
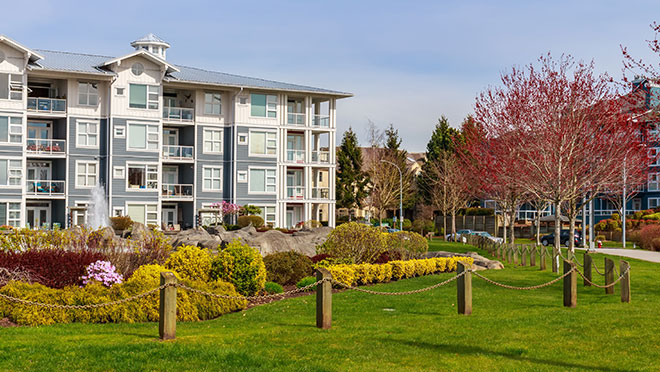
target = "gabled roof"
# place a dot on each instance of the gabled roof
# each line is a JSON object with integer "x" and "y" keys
{"x": 150, "y": 38}
{"x": 143, "y": 53}
{"x": 32, "y": 56}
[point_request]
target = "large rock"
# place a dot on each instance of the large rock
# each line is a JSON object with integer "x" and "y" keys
{"x": 138, "y": 231}
{"x": 197, "y": 237}
{"x": 480, "y": 262}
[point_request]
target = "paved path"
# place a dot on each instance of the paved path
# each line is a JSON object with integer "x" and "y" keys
{"x": 632, "y": 253}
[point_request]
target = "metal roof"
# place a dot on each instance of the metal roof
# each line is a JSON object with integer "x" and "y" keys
{"x": 89, "y": 63}
{"x": 150, "y": 38}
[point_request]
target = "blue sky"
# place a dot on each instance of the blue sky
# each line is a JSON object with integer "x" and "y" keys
{"x": 407, "y": 62}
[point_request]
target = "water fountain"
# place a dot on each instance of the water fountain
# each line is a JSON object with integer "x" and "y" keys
{"x": 97, "y": 209}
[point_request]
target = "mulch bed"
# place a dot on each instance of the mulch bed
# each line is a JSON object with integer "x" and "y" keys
{"x": 6, "y": 323}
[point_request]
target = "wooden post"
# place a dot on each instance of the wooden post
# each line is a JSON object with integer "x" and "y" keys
{"x": 499, "y": 251}
{"x": 464, "y": 289}
{"x": 624, "y": 269}
{"x": 515, "y": 255}
{"x": 609, "y": 275}
{"x": 542, "y": 257}
{"x": 167, "y": 310}
{"x": 324, "y": 299}
{"x": 570, "y": 285}
{"x": 587, "y": 269}
{"x": 555, "y": 263}
{"x": 510, "y": 254}
{"x": 532, "y": 255}
{"x": 523, "y": 252}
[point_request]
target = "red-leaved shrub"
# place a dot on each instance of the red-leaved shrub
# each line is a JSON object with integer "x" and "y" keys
{"x": 647, "y": 237}
{"x": 319, "y": 257}
{"x": 55, "y": 268}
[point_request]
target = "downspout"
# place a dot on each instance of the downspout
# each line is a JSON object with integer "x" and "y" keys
{"x": 108, "y": 151}
{"x": 234, "y": 135}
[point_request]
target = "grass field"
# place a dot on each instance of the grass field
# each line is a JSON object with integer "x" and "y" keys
{"x": 508, "y": 331}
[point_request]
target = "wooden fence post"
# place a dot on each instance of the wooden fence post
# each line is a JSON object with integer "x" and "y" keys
{"x": 515, "y": 254}
{"x": 532, "y": 255}
{"x": 464, "y": 289}
{"x": 555, "y": 262}
{"x": 523, "y": 252}
{"x": 624, "y": 269}
{"x": 510, "y": 254}
{"x": 609, "y": 275}
{"x": 499, "y": 251}
{"x": 542, "y": 257}
{"x": 587, "y": 269}
{"x": 324, "y": 299}
{"x": 570, "y": 285}
{"x": 167, "y": 308}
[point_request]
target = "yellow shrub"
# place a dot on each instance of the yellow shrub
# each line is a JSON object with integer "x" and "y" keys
{"x": 383, "y": 273}
{"x": 343, "y": 273}
{"x": 191, "y": 262}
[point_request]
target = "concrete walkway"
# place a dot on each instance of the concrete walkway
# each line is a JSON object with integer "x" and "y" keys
{"x": 632, "y": 253}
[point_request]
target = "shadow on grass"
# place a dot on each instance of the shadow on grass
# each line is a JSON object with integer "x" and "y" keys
{"x": 510, "y": 354}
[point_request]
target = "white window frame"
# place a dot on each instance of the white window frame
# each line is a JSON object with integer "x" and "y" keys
{"x": 15, "y": 87}
{"x": 242, "y": 176}
{"x": 211, "y": 167}
{"x": 213, "y": 103}
{"x": 87, "y": 174}
{"x": 654, "y": 156}
{"x": 151, "y": 129}
{"x": 250, "y": 169}
{"x": 120, "y": 91}
{"x": 243, "y": 138}
{"x": 272, "y": 101}
{"x": 266, "y": 146}
{"x": 16, "y": 221}
{"x": 87, "y": 135}
{"x": 118, "y": 172}
{"x": 120, "y": 131}
{"x": 14, "y": 172}
{"x": 654, "y": 179}
{"x": 151, "y": 103}
{"x": 149, "y": 168}
{"x": 264, "y": 213}
{"x": 88, "y": 94}
{"x": 121, "y": 211}
{"x": 13, "y": 129}
{"x": 146, "y": 212}
{"x": 211, "y": 140}
{"x": 656, "y": 202}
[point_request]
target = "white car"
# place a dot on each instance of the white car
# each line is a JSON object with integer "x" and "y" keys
{"x": 459, "y": 233}
{"x": 487, "y": 235}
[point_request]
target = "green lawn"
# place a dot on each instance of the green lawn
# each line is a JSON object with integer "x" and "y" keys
{"x": 508, "y": 331}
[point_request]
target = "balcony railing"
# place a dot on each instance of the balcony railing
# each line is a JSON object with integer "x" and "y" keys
{"x": 172, "y": 152}
{"x": 320, "y": 193}
{"x": 47, "y": 105}
{"x": 179, "y": 114}
{"x": 45, "y": 146}
{"x": 294, "y": 118}
{"x": 321, "y": 156}
{"x": 295, "y": 156}
{"x": 45, "y": 187}
{"x": 322, "y": 121}
{"x": 176, "y": 191}
{"x": 295, "y": 192}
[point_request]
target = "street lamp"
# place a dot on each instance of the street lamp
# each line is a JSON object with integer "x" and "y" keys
{"x": 400, "y": 192}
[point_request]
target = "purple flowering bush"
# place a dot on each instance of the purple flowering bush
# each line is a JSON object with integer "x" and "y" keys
{"x": 103, "y": 272}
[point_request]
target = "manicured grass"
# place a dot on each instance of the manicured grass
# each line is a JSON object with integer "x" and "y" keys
{"x": 508, "y": 331}
{"x": 606, "y": 244}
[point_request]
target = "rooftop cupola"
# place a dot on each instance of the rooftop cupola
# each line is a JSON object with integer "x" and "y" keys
{"x": 153, "y": 44}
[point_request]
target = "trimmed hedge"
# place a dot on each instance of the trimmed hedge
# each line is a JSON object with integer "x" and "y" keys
{"x": 256, "y": 221}
{"x": 287, "y": 267}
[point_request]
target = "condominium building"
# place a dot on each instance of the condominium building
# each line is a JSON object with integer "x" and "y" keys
{"x": 164, "y": 141}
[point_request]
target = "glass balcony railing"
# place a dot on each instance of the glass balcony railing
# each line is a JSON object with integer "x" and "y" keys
{"x": 320, "y": 193}
{"x": 321, "y": 156}
{"x": 45, "y": 187}
{"x": 176, "y": 191}
{"x": 47, "y": 105}
{"x": 172, "y": 152}
{"x": 178, "y": 114}
{"x": 295, "y": 156}
{"x": 295, "y": 118}
{"x": 322, "y": 121}
{"x": 45, "y": 146}
{"x": 295, "y": 192}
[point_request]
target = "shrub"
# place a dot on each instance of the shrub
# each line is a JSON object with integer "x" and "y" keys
{"x": 319, "y": 257}
{"x": 355, "y": 242}
{"x": 652, "y": 216}
{"x": 272, "y": 288}
{"x": 232, "y": 227}
{"x": 103, "y": 272}
{"x": 615, "y": 217}
{"x": 312, "y": 224}
{"x": 191, "y": 262}
{"x": 476, "y": 211}
{"x": 408, "y": 244}
{"x": 647, "y": 236}
{"x": 249, "y": 210}
{"x": 242, "y": 266}
{"x": 287, "y": 267}
{"x": 600, "y": 237}
{"x": 121, "y": 222}
{"x": 304, "y": 282}
{"x": 256, "y": 221}
{"x": 423, "y": 226}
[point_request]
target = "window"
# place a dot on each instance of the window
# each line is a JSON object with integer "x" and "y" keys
{"x": 118, "y": 172}
{"x": 213, "y": 141}
{"x": 143, "y": 96}
{"x": 242, "y": 100}
{"x": 212, "y": 103}
{"x": 117, "y": 211}
{"x": 654, "y": 156}
{"x": 654, "y": 182}
{"x": 142, "y": 137}
{"x": 137, "y": 69}
{"x": 88, "y": 94}
{"x": 10, "y": 214}
{"x": 268, "y": 214}
{"x": 241, "y": 176}
{"x": 212, "y": 179}
{"x": 143, "y": 213}
{"x": 119, "y": 91}
{"x": 11, "y": 173}
{"x": 637, "y": 204}
{"x": 242, "y": 139}
{"x": 88, "y": 134}
{"x": 263, "y": 143}
{"x": 11, "y": 86}
{"x": 142, "y": 177}
{"x": 11, "y": 129}
{"x": 120, "y": 132}
{"x": 86, "y": 174}
{"x": 262, "y": 181}
{"x": 654, "y": 203}
{"x": 263, "y": 105}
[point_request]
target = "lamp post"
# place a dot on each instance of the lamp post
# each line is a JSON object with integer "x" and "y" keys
{"x": 400, "y": 192}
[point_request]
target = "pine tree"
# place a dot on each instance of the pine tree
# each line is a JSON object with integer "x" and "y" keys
{"x": 442, "y": 139}
{"x": 351, "y": 180}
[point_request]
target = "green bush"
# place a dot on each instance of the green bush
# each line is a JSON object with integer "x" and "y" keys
{"x": 615, "y": 217}
{"x": 304, "y": 282}
{"x": 638, "y": 215}
{"x": 476, "y": 211}
{"x": 356, "y": 242}
{"x": 422, "y": 227}
{"x": 232, "y": 227}
{"x": 242, "y": 266}
{"x": 191, "y": 262}
{"x": 287, "y": 267}
{"x": 256, "y": 221}
{"x": 407, "y": 244}
{"x": 272, "y": 288}
{"x": 249, "y": 210}
{"x": 653, "y": 216}
{"x": 121, "y": 222}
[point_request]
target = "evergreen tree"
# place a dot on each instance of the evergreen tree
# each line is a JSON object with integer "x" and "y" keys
{"x": 398, "y": 156}
{"x": 442, "y": 139}
{"x": 351, "y": 180}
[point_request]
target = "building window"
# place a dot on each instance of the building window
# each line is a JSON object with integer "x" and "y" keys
{"x": 242, "y": 139}
{"x": 142, "y": 137}
{"x": 142, "y": 177}
{"x": 11, "y": 173}
{"x": 88, "y": 134}
{"x": 654, "y": 156}
{"x": 120, "y": 132}
{"x": 212, "y": 103}
{"x": 263, "y": 143}
{"x": 86, "y": 174}
{"x": 213, "y": 141}
{"x": 263, "y": 105}
{"x": 262, "y": 181}
{"x": 118, "y": 172}
{"x": 143, "y": 213}
{"x": 88, "y": 94}
{"x": 11, "y": 129}
{"x": 137, "y": 69}
{"x": 119, "y": 91}
{"x": 143, "y": 96}
{"x": 10, "y": 214}
{"x": 654, "y": 203}
{"x": 11, "y": 86}
{"x": 637, "y": 204}
{"x": 212, "y": 179}
{"x": 241, "y": 176}
{"x": 117, "y": 211}
{"x": 268, "y": 214}
{"x": 654, "y": 182}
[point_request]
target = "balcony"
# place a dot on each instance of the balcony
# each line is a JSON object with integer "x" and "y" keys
{"x": 295, "y": 156}
{"x": 320, "y": 192}
{"x": 178, "y": 153}
{"x": 321, "y": 121}
{"x": 47, "y": 147}
{"x": 45, "y": 188}
{"x": 295, "y": 192}
{"x": 178, "y": 114}
{"x": 46, "y": 105}
{"x": 322, "y": 157}
{"x": 295, "y": 118}
{"x": 177, "y": 191}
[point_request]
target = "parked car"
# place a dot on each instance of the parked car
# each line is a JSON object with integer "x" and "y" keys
{"x": 451, "y": 238}
{"x": 563, "y": 238}
{"x": 485, "y": 234}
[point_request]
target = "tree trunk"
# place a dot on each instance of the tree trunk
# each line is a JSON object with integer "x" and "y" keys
{"x": 444, "y": 226}
{"x": 504, "y": 228}
{"x": 571, "y": 228}
{"x": 538, "y": 228}
{"x": 453, "y": 224}
{"x": 557, "y": 245}
{"x": 513, "y": 225}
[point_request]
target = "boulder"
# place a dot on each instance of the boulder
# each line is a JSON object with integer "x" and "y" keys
{"x": 138, "y": 231}
{"x": 107, "y": 235}
{"x": 193, "y": 237}
{"x": 480, "y": 262}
